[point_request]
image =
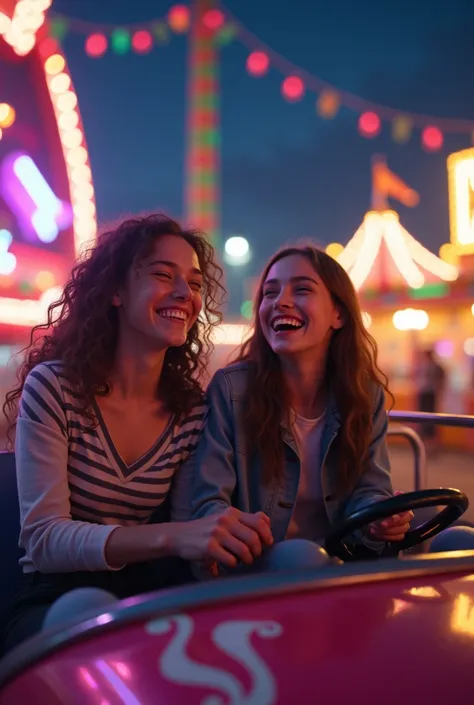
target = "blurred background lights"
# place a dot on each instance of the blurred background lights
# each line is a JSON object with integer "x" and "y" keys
{"x": 444, "y": 348}
{"x": 366, "y": 319}
{"x": 7, "y": 115}
{"x": 410, "y": 319}
{"x": 246, "y": 309}
{"x": 54, "y": 64}
{"x": 258, "y": 64}
{"x": 179, "y": 18}
{"x": 334, "y": 249}
{"x": 292, "y": 89}
{"x": 432, "y": 139}
{"x": 469, "y": 347}
{"x": 96, "y": 45}
{"x": 7, "y": 259}
{"x": 369, "y": 125}
{"x": 236, "y": 251}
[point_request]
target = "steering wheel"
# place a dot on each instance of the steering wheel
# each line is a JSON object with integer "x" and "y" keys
{"x": 455, "y": 504}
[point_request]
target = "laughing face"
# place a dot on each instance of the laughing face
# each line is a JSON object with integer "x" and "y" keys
{"x": 297, "y": 313}
{"x": 162, "y": 298}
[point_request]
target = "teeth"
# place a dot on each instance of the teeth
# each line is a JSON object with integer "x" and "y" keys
{"x": 279, "y": 322}
{"x": 173, "y": 313}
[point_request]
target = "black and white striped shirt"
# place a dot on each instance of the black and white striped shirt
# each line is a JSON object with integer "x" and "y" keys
{"x": 74, "y": 488}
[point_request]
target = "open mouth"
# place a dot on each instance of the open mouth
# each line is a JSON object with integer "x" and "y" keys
{"x": 173, "y": 314}
{"x": 285, "y": 324}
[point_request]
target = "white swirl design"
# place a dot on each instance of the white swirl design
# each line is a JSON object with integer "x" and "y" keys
{"x": 232, "y": 638}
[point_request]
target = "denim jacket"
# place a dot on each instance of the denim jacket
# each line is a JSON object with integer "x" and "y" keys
{"x": 222, "y": 472}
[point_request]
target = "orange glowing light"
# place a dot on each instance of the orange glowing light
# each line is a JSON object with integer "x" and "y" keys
{"x": 7, "y": 115}
{"x": 54, "y": 64}
{"x": 179, "y": 18}
{"x": 461, "y": 200}
{"x": 45, "y": 280}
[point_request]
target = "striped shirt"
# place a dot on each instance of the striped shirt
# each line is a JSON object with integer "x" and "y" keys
{"x": 74, "y": 488}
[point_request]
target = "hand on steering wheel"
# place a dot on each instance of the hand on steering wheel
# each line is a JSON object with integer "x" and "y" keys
{"x": 455, "y": 504}
{"x": 393, "y": 528}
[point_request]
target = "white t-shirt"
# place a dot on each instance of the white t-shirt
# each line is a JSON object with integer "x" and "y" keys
{"x": 309, "y": 519}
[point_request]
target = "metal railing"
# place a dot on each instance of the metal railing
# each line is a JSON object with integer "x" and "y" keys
{"x": 459, "y": 420}
{"x": 419, "y": 452}
{"x": 423, "y": 417}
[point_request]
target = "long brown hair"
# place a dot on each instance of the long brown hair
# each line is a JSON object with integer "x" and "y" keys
{"x": 352, "y": 374}
{"x": 81, "y": 329}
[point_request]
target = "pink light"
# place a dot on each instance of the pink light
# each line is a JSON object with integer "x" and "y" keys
{"x": 292, "y": 88}
{"x": 96, "y": 45}
{"x": 258, "y": 64}
{"x": 432, "y": 139}
{"x": 444, "y": 348}
{"x": 48, "y": 47}
{"x": 369, "y": 125}
{"x": 142, "y": 42}
{"x": 86, "y": 677}
{"x": 122, "y": 669}
{"x": 213, "y": 20}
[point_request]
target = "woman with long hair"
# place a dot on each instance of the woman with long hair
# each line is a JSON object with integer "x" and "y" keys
{"x": 108, "y": 405}
{"x": 296, "y": 426}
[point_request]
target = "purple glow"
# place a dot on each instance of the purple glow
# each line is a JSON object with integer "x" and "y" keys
{"x": 444, "y": 348}
{"x": 104, "y": 618}
{"x": 41, "y": 215}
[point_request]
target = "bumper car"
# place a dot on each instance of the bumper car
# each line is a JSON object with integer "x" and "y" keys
{"x": 336, "y": 629}
{"x": 374, "y": 631}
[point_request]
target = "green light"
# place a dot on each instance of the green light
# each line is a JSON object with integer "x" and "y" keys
{"x": 226, "y": 35}
{"x": 246, "y": 309}
{"x": 437, "y": 290}
{"x": 58, "y": 28}
{"x": 160, "y": 32}
{"x": 208, "y": 101}
{"x": 120, "y": 41}
{"x": 210, "y": 138}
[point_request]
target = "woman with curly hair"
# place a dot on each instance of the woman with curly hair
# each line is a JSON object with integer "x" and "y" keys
{"x": 296, "y": 427}
{"x": 109, "y": 404}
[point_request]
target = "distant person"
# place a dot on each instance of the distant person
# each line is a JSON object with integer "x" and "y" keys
{"x": 430, "y": 379}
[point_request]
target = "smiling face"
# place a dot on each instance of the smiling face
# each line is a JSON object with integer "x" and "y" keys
{"x": 297, "y": 313}
{"x": 162, "y": 298}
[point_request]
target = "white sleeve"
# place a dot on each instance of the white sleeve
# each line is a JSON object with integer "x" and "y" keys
{"x": 53, "y": 541}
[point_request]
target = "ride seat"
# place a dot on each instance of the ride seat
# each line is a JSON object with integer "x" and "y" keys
{"x": 10, "y": 571}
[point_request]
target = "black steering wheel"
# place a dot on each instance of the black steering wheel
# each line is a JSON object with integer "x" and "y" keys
{"x": 455, "y": 504}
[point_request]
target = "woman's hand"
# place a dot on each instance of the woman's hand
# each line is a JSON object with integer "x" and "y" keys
{"x": 391, "y": 529}
{"x": 228, "y": 538}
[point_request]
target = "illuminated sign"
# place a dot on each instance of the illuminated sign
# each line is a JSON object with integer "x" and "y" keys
{"x": 461, "y": 200}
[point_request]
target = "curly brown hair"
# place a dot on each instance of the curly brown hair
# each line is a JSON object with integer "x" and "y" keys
{"x": 352, "y": 374}
{"x": 81, "y": 329}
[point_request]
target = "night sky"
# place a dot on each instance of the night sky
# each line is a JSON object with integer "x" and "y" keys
{"x": 286, "y": 173}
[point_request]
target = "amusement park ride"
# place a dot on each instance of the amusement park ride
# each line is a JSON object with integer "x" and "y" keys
{"x": 47, "y": 209}
{"x": 48, "y": 215}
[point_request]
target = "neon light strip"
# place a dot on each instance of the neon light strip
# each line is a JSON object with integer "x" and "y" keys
{"x": 76, "y": 157}
{"x": 29, "y": 312}
{"x": 32, "y": 199}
